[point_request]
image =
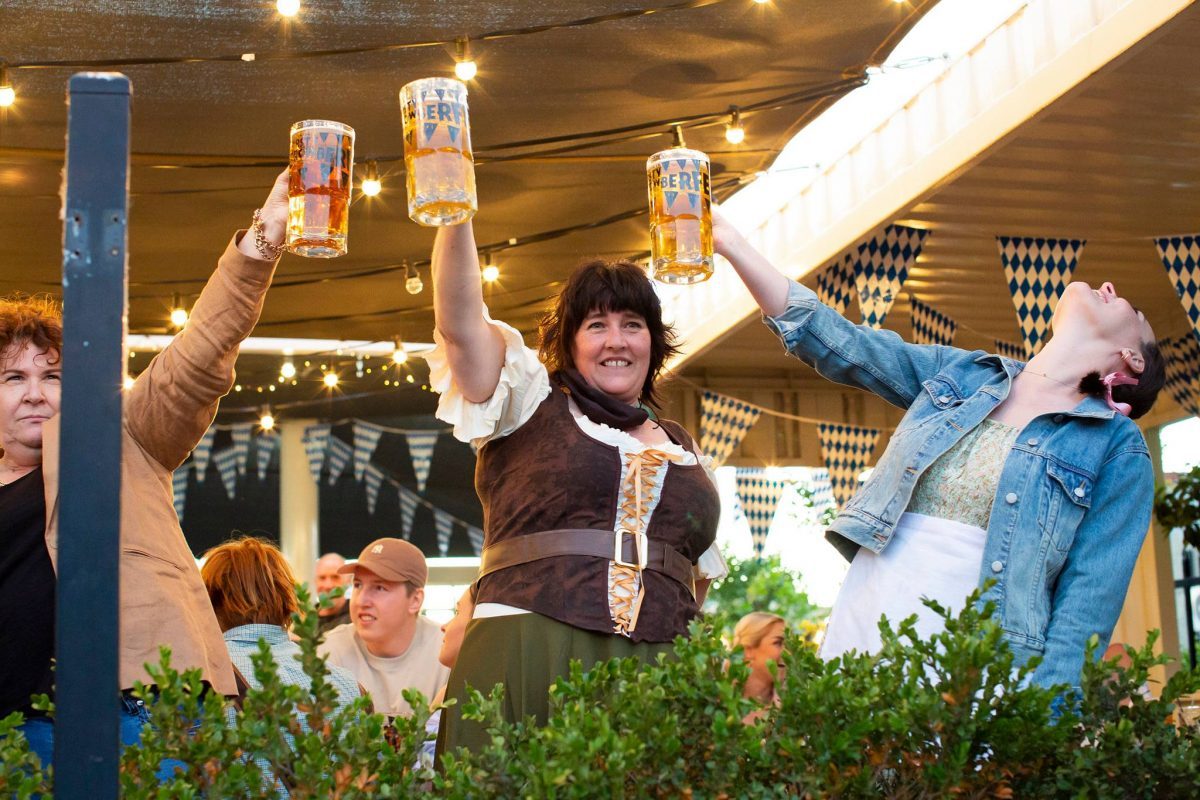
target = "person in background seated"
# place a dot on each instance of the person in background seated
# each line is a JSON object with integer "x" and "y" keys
{"x": 452, "y": 638}
{"x": 328, "y": 579}
{"x": 760, "y": 635}
{"x": 389, "y": 647}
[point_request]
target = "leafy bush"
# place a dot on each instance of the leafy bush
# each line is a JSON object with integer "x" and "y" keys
{"x": 1179, "y": 506}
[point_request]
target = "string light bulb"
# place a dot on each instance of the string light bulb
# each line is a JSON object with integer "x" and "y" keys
{"x": 490, "y": 272}
{"x": 464, "y": 66}
{"x": 412, "y": 279}
{"x": 678, "y": 131}
{"x": 179, "y": 314}
{"x": 128, "y": 382}
{"x": 399, "y": 354}
{"x": 287, "y": 8}
{"x": 734, "y": 132}
{"x": 287, "y": 370}
{"x": 267, "y": 420}
{"x": 371, "y": 185}
{"x": 8, "y": 95}
{"x": 330, "y": 379}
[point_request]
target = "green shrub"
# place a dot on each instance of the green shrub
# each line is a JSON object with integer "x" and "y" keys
{"x": 760, "y": 584}
{"x": 1179, "y": 506}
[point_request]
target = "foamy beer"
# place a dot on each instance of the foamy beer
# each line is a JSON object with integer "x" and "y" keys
{"x": 437, "y": 152}
{"x": 681, "y": 244}
{"x": 320, "y": 174}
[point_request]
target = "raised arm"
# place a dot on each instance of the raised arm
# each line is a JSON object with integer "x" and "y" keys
{"x": 474, "y": 349}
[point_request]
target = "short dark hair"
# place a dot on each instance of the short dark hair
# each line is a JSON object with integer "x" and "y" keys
{"x": 605, "y": 286}
{"x": 33, "y": 319}
{"x": 1141, "y": 396}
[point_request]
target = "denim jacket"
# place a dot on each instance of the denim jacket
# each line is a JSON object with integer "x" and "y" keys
{"x": 1072, "y": 506}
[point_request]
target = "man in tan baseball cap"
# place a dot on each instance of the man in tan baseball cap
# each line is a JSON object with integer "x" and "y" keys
{"x": 389, "y": 647}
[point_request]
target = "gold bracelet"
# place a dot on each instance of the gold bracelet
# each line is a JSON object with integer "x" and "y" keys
{"x": 268, "y": 251}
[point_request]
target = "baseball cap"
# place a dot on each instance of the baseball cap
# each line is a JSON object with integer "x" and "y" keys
{"x": 392, "y": 560}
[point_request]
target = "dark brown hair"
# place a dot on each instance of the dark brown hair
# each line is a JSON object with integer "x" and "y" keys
{"x": 1140, "y": 397}
{"x": 36, "y": 319}
{"x": 605, "y": 286}
{"x": 249, "y": 581}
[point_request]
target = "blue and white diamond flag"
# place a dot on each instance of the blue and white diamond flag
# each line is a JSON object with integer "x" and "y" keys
{"x": 819, "y": 489}
{"x": 1181, "y": 256}
{"x": 374, "y": 479}
{"x": 1009, "y": 350}
{"x": 880, "y": 268}
{"x": 408, "y": 508}
{"x": 759, "y": 496}
{"x": 226, "y": 461}
{"x": 316, "y": 444}
{"x": 835, "y": 284}
{"x": 264, "y": 449}
{"x": 340, "y": 454}
{"x": 1183, "y": 371}
{"x": 366, "y": 439}
{"x": 476, "y": 537}
{"x": 445, "y": 526}
{"x": 420, "y": 448}
{"x": 241, "y": 445}
{"x": 179, "y": 487}
{"x": 846, "y": 450}
{"x": 202, "y": 453}
{"x": 929, "y": 325}
{"x": 724, "y": 422}
{"x": 1037, "y": 271}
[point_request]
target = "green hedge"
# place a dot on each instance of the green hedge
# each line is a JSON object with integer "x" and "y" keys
{"x": 945, "y": 717}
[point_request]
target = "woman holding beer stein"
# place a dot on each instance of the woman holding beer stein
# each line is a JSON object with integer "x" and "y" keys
{"x": 167, "y": 410}
{"x": 599, "y": 516}
{"x": 1031, "y": 475}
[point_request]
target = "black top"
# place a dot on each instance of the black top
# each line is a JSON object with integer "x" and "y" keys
{"x": 26, "y": 595}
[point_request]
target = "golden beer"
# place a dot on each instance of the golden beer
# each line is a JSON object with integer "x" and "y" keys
{"x": 681, "y": 243}
{"x": 437, "y": 152}
{"x": 320, "y": 174}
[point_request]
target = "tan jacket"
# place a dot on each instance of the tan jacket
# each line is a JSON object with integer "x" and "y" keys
{"x": 171, "y": 405}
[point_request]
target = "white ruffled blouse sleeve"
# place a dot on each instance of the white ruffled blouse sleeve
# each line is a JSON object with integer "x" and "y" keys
{"x": 524, "y": 384}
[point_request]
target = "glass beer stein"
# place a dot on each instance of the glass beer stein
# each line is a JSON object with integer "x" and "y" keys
{"x": 681, "y": 243}
{"x": 320, "y": 167}
{"x": 437, "y": 152}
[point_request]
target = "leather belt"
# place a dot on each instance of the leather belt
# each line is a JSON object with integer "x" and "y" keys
{"x": 625, "y": 547}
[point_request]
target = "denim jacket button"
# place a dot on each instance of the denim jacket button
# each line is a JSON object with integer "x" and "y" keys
{"x": 1079, "y": 491}
{"x": 943, "y": 399}
{"x": 1010, "y": 498}
{"x": 997, "y": 566}
{"x": 1033, "y": 442}
{"x": 1059, "y": 417}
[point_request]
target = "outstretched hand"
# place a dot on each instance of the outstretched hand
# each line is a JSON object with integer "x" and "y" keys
{"x": 725, "y": 237}
{"x": 274, "y": 218}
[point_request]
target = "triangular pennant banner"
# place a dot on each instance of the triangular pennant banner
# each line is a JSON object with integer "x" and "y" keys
{"x": 1181, "y": 256}
{"x": 316, "y": 443}
{"x": 819, "y": 489}
{"x": 1009, "y": 350}
{"x": 476, "y": 537}
{"x": 880, "y": 268}
{"x": 179, "y": 487}
{"x": 835, "y": 284}
{"x": 1037, "y": 271}
{"x": 264, "y": 449}
{"x": 366, "y": 439}
{"x": 241, "y": 445}
{"x": 340, "y": 454}
{"x": 202, "y": 453}
{"x": 846, "y": 450}
{"x": 420, "y": 448}
{"x": 931, "y": 326}
{"x": 374, "y": 481}
{"x": 724, "y": 422}
{"x": 408, "y": 507}
{"x": 1183, "y": 371}
{"x": 759, "y": 496}
{"x": 226, "y": 461}
{"x": 445, "y": 526}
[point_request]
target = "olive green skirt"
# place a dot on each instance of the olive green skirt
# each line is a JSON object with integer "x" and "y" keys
{"x": 525, "y": 653}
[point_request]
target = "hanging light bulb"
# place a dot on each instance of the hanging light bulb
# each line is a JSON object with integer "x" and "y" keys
{"x": 399, "y": 354}
{"x": 358, "y": 367}
{"x": 490, "y": 273}
{"x": 287, "y": 8}
{"x": 330, "y": 379}
{"x": 678, "y": 131}
{"x": 179, "y": 314}
{"x": 464, "y": 66}
{"x": 128, "y": 382}
{"x": 267, "y": 420}
{"x": 734, "y": 132}
{"x": 8, "y": 95}
{"x": 371, "y": 185}
{"x": 287, "y": 370}
{"x": 412, "y": 279}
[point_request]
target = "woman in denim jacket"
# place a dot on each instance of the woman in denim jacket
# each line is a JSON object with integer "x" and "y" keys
{"x": 1032, "y": 475}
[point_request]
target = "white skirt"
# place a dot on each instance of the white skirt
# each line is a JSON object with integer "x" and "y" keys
{"x": 926, "y": 557}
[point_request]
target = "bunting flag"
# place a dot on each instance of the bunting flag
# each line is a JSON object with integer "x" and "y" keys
{"x": 759, "y": 496}
{"x": 819, "y": 489}
{"x": 366, "y": 439}
{"x": 476, "y": 537}
{"x": 1009, "y": 350}
{"x": 420, "y": 448}
{"x": 408, "y": 507}
{"x": 1037, "y": 271}
{"x": 374, "y": 480}
{"x": 202, "y": 453}
{"x": 881, "y": 267}
{"x": 1183, "y": 371}
{"x": 931, "y": 326}
{"x": 835, "y": 284}
{"x": 1181, "y": 256}
{"x": 316, "y": 443}
{"x": 846, "y": 450}
{"x": 724, "y": 422}
{"x": 179, "y": 487}
{"x": 340, "y": 454}
{"x": 241, "y": 445}
{"x": 226, "y": 461}
{"x": 445, "y": 526}
{"x": 264, "y": 450}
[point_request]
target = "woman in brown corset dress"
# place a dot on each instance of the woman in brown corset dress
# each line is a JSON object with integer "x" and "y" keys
{"x": 599, "y": 516}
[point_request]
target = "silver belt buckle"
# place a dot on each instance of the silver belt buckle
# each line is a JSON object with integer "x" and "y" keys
{"x": 639, "y": 545}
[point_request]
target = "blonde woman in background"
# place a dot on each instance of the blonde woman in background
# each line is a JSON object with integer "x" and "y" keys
{"x": 760, "y": 636}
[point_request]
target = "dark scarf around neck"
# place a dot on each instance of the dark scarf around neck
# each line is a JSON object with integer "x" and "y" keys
{"x": 600, "y": 407}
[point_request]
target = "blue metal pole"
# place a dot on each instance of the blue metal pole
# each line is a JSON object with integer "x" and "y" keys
{"x": 87, "y": 684}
